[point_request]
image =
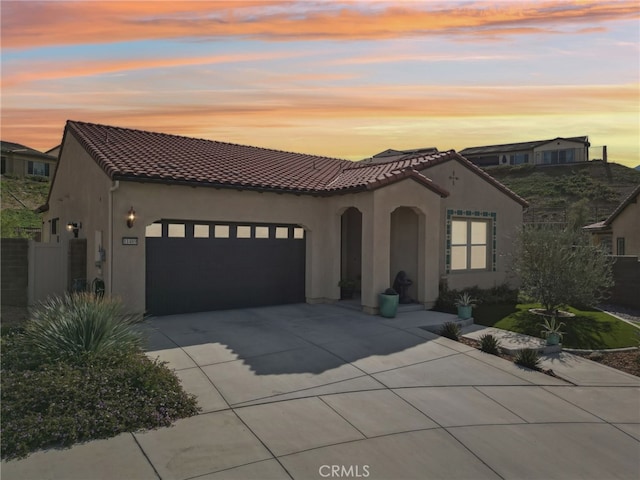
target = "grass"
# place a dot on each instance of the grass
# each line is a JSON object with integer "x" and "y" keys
{"x": 20, "y": 197}
{"x": 589, "y": 329}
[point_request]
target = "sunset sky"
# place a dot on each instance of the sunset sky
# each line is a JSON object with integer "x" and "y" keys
{"x": 336, "y": 78}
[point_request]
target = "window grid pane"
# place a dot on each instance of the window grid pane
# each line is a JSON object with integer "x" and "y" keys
{"x": 459, "y": 258}
{"x": 154, "y": 230}
{"x": 262, "y": 232}
{"x": 176, "y": 230}
{"x": 201, "y": 231}
{"x": 221, "y": 231}
{"x": 243, "y": 232}
{"x": 459, "y": 232}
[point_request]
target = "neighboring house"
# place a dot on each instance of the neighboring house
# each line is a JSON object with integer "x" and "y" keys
{"x": 557, "y": 151}
{"x": 22, "y": 161}
{"x": 620, "y": 232}
{"x": 176, "y": 224}
{"x": 54, "y": 152}
{"x": 392, "y": 155}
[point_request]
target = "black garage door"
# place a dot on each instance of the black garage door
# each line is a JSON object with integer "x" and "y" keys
{"x": 195, "y": 266}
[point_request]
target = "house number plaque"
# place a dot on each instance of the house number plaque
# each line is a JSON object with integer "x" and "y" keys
{"x": 130, "y": 240}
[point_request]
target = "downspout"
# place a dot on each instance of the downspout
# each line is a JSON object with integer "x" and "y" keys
{"x": 115, "y": 186}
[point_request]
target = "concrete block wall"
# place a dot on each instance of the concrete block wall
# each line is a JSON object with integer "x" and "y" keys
{"x": 14, "y": 269}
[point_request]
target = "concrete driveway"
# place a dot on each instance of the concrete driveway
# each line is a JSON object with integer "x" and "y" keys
{"x": 319, "y": 391}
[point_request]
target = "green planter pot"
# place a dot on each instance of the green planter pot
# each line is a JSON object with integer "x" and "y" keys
{"x": 464, "y": 312}
{"x": 388, "y": 305}
{"x": 553, "y": 339}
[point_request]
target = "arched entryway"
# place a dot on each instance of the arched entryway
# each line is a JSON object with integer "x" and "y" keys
{"x": 351, "y": 248}
{"x": 404, "y": 254}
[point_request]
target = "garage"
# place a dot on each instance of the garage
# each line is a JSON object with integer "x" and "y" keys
{"x": 200, "y": 266}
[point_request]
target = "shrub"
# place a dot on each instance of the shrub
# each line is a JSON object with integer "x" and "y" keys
{"x": 500, "y": 294}
{"x": 77, "y": 326}
{"x": 528, "y": 357}
{"x": 451, "y": 330}
{"x": 56, "y": 405}
{"x": 489, "y": 344}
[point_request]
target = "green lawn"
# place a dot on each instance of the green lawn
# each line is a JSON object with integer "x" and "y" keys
{"x": 589, "y": 329}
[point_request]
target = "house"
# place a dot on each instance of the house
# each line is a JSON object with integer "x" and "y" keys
{"x": 619, "y": 233}
{"x": 391, "y": 154}
{"x": 557, "y": 151}
{"x": 22, "y": 161}
{"x": 175, "y": 224}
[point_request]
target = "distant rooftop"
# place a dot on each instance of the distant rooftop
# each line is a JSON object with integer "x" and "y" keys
{"x": 521, "y": 146}
{"x": 10, "y": 147}
{"x": 391, "y": 154}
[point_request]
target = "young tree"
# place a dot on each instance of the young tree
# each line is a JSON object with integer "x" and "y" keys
{"x": 558, "y": 266}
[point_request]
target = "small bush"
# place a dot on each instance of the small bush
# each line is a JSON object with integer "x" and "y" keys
{"x": 528, "y": 357}
{"x": 451, "y": 330}
{"x": 78, "y": 326}
{"x": 59, "y": 404}
{"x": 500, "y": 294}
{"x": 489, "y": 344}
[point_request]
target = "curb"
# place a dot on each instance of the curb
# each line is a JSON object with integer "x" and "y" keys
{"x": 607, "y": 350}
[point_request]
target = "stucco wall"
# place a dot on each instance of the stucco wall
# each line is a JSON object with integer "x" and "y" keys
{"x": 627, "y": 226}
{"x": 80, "y": 193}
{"x": 468, "y": 191}
{"x": 153, "y": 202}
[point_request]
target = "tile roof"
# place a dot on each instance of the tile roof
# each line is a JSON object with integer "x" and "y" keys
{"x": 128, "y": 154}
{"x": 16, "y": 148}
{"x": 516, "y": 147}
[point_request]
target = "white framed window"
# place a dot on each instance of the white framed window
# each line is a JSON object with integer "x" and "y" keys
{"x": 201, "y": 231}
{"x": 469, "y": 244}
{"x": 221, "y": 231}
{"x": 298, "y": 233}
{"x": 262, "y": 232}
{"x": 243, "y": 231}
{"x": 153, "y": 231}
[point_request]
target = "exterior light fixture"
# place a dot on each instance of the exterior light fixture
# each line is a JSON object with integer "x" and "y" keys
{"x": 131, "y": 217}
{"x": 74, "y": 227}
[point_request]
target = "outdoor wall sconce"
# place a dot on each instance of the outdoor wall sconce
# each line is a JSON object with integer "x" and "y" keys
{"x": 74, "y": 227}
{"x": 131, "y": 217}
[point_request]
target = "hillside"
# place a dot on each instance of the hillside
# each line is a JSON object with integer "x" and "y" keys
{"x": 20, "y": 197}
{"x": 551, "y": 189}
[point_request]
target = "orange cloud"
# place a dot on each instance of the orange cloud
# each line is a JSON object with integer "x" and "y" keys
{"x": 31, "y": 24}
{"x": 42, "y": 71}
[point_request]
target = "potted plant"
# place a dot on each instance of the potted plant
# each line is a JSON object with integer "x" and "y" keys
{"x": 388, "y": 301}
{"x": 551, "y": 330}
{"x": 347, "y": 287}
{"x": 465, "y": 304}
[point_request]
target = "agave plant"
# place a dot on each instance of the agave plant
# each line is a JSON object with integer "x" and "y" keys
{"x": 451, "y": 330}
{"x": 528, "y": 357}
{"x": 75, "y": 325}
{"x": 489, "y": 344}
{"x": 466, "y": 300}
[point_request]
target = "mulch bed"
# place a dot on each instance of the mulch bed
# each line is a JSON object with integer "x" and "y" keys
{"x": 628, "y": 362}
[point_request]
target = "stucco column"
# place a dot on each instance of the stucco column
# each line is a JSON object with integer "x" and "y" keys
{"x": 376, "y": 244}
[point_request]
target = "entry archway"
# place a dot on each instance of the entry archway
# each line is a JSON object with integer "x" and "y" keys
{"x": 404, "y": 253}
{"x": 351, "y": 246}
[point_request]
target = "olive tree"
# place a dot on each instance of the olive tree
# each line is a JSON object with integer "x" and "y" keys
{"x": 559, "y": 266}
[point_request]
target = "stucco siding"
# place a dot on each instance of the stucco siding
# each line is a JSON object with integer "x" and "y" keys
{"x": 80, "y": 193}
{"x": 627, "y": 225}
{"x": 153, "y": 202}
{"x": 469, "y": 192}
